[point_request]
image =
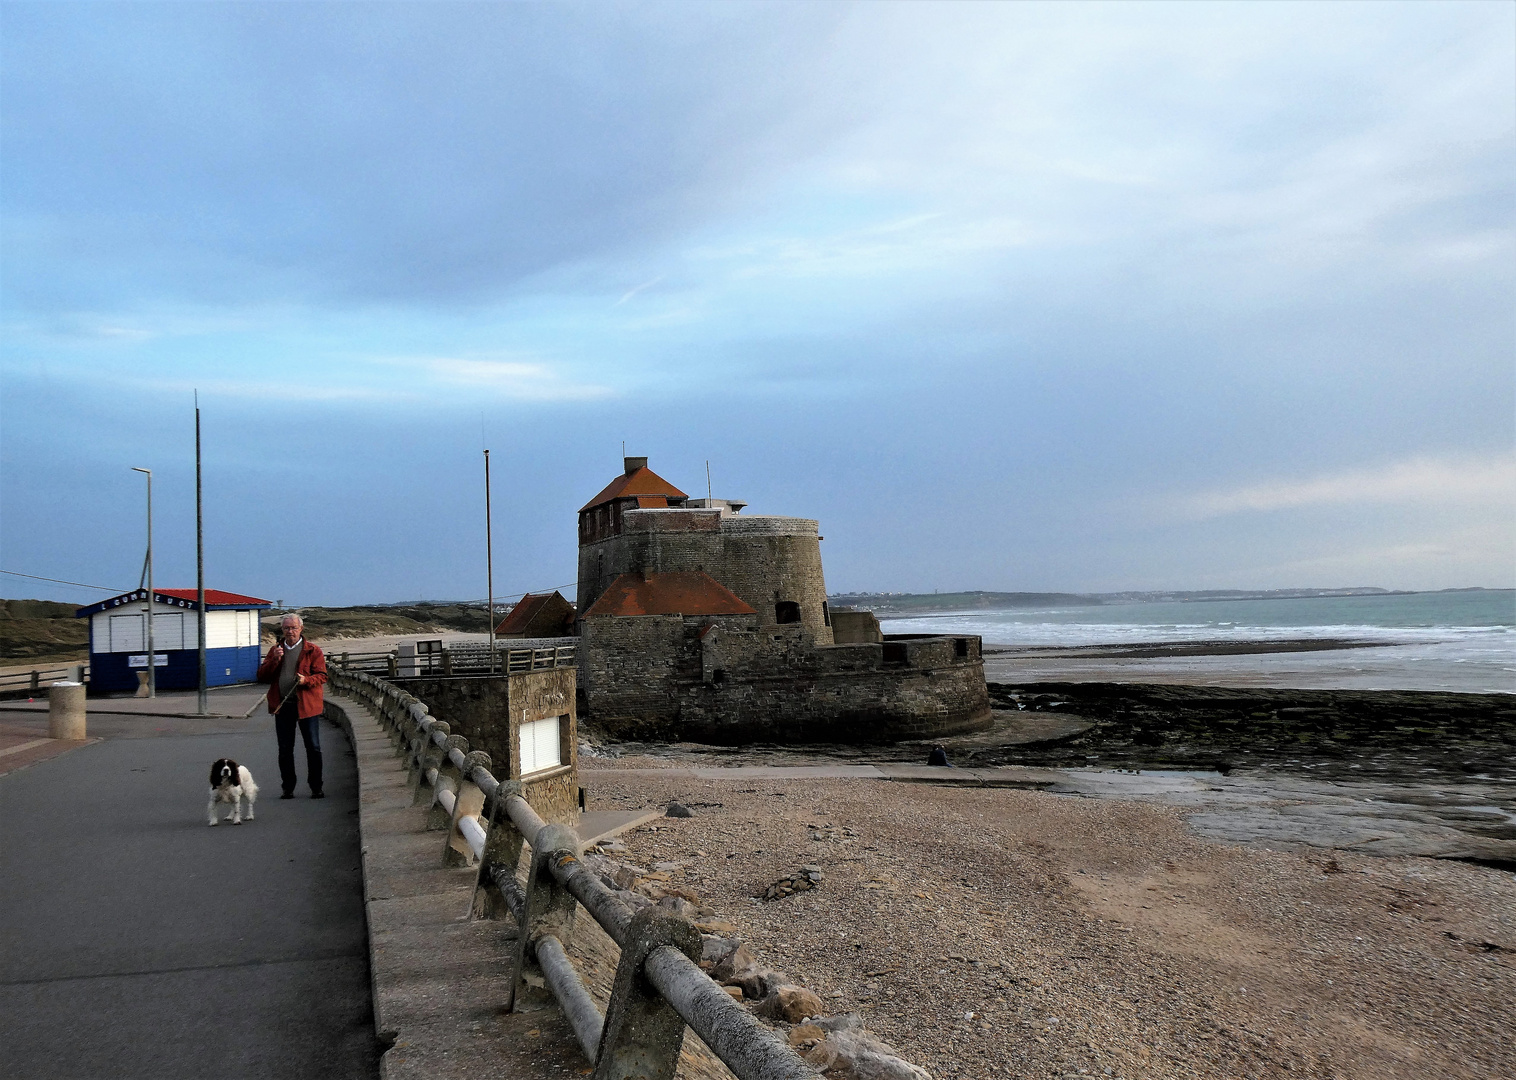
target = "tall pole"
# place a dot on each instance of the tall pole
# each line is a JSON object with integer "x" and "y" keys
{"x": 199, "y": 565}
{"x": 489, "y": 559}
{"x": 152, "y": 670}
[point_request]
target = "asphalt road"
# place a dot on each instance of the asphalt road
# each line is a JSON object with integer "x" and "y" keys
{"x": 140, "y": 943}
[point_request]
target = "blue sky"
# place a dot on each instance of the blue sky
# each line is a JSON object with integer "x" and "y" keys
{"x": 1073, "y": 297}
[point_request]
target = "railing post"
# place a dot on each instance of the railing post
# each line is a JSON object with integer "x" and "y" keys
{"x": 36, "y": 679}
{"x": 549, "y": 907}
{"x": 643, "y": 1034}
{"x": 502, "y": 851}
{"x": 469, "y": 802}
{"x": 392, "y": 666}
{"x": 448, "y": 779}
{"x": 424, "y": 754}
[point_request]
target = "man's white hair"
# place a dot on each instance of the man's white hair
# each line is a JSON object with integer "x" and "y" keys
{"x": 292, "y": 617}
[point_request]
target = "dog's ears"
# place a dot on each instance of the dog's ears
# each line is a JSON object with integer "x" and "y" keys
{"x": 216, "y": 774}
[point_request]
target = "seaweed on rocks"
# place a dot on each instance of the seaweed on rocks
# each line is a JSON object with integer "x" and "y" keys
{"x": 1337, "y": 734}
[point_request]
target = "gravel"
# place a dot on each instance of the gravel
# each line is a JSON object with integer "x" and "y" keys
{"x": 994, "y": 932}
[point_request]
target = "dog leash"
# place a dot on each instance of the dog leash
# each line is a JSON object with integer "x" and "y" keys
{"x": 281, "y": 705}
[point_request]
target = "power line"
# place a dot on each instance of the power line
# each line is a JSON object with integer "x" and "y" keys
{"x": 60, "y": 581}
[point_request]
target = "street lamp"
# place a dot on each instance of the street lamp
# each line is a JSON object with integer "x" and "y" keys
{"x": 152, "y": 671}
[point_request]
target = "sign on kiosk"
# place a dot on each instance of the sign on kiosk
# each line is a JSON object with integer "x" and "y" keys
{"x": 160, "y": 659}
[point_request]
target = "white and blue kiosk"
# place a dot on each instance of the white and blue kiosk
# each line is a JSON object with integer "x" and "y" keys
{"x": 118, "y": 639}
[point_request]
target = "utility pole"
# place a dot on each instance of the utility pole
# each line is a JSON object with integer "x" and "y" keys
{"x": 489, "y": 560}
{"x": 199, "y": 565}
{"x": 152, "y": 670}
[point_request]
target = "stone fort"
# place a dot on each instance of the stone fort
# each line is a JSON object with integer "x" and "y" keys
{"x": 699, "y": 622}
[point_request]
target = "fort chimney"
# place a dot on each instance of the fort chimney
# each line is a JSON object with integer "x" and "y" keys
{"x": 634, "y": 463}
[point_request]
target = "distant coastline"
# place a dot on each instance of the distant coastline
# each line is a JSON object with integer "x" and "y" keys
{"x": 980, "y": 600}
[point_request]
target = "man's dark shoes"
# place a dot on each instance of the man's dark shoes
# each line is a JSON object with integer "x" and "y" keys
{"x": 288, "y": 795}
{"x": 318, "y": 794}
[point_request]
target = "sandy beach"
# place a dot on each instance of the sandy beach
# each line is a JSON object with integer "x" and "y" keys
{"x": 988, "y": 932}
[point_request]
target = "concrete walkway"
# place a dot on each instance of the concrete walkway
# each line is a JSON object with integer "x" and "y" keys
{"x": 140, "y": 943}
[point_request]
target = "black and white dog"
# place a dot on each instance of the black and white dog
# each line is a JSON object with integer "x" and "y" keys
{"x": 231, "y": 783}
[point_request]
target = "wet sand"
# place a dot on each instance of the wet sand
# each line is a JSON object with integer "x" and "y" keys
{"x": 1286, "y": 663}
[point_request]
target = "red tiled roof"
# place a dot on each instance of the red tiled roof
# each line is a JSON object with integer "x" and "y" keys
{"x": 679, "y": 592}
{"x": 216, "y": 598}
{"x": 527, "y": 609}
{"x": 643, "y": 481}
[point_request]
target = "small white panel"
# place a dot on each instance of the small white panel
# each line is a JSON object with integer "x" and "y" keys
{"x": 221, "y": 629}
{"x": 126, "y": 634}
{"x": 168, "y": 630}
{"x": 539, "y": 746}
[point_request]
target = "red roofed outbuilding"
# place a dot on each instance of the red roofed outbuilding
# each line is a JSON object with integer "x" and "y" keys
{"x": 538, "y": 615}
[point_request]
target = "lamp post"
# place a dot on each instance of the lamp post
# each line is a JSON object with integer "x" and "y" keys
{"x": 489, "y": 561}
{"x": 199, "y": 569}
{"x": 152, "y": 670}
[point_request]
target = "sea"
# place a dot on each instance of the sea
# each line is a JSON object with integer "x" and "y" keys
{"x": 1463, "y": 640}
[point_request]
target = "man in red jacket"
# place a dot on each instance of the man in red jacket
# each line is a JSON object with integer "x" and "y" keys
{"x": 297, "y": 671}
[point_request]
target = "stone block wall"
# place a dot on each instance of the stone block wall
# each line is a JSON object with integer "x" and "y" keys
{"x": 488, "y": 711}
{"x": 764, "y": 560}
{"x": 845, "y": 707}
{"x": 731, "y": 681}
{"x": 855, "y": 627}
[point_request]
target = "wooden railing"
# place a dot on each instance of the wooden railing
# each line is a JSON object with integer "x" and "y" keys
{"x": 33, "y": 682}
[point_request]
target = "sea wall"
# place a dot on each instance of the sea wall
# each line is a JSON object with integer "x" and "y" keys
{"x": 730, "y": 680}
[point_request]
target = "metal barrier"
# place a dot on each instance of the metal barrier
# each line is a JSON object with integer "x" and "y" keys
{"x": 462, "y": 658}
{"x": 658, "y": 987}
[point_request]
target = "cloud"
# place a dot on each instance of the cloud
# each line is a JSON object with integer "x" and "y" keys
{"x": 274, "y": 389}
{"x": 522, "y": 380}
{"x": 1424, "y": 480}
{"x": 637, "y": 289}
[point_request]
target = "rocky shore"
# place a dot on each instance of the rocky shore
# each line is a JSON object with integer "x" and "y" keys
{"x": 1353, "y": 735}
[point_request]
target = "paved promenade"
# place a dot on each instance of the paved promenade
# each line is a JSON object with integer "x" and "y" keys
{"x": 140, "y": 943}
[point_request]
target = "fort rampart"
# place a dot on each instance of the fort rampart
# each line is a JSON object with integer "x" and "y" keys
{"x": 727, "y": 680}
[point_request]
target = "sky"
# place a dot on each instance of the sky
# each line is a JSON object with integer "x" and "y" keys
{"x": 1075, "y": 297}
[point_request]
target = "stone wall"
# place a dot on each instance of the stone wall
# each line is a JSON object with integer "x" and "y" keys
{"x": 764, "y": 560}
{"x": 855, "y": 627}
{"x": 488, "y": 711}
{"x": 730, "y": 680}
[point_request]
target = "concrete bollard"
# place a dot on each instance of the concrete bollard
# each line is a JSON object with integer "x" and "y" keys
{"x": 65, "y": 711}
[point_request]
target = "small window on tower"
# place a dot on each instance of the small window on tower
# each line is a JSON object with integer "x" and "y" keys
{"x": 786, "y": 611}
{"x": 826, "y": 614}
